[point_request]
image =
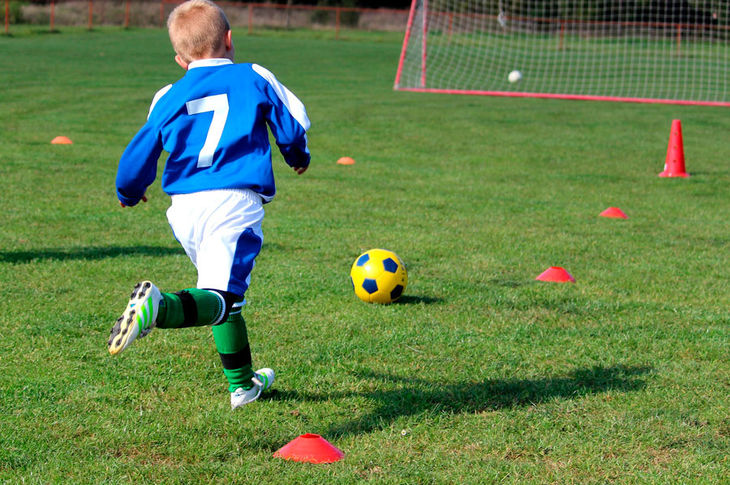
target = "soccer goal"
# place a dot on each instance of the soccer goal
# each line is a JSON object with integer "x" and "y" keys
{"x": 655, "y": 51}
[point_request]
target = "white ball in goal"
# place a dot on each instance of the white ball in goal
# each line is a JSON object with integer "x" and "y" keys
{"x": 514, "y": 77}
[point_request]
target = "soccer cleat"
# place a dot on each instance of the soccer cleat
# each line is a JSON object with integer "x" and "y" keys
{"x": 262, "y": 380}
{"x": 138, "y": 319}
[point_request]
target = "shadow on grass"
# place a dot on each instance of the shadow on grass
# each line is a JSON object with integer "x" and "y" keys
{"x": 510, "y": 283}
{"x": 415, "y": 300}
{"x": 407, "y": 397}
{"x": 63, "y": 254}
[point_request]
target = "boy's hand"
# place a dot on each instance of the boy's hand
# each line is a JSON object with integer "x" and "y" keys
{"x": 144, "y": 199}
{"x": 300, "y": 170}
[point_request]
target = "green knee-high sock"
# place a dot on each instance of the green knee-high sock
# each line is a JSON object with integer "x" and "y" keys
{"x": 231, "y": 341}
{"x": 190, "y": 308}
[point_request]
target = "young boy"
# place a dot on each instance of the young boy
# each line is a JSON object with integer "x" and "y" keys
{"x": 213, "y": 123}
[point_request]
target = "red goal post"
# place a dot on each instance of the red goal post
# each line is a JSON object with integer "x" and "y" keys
{"x": 674, "y": 52}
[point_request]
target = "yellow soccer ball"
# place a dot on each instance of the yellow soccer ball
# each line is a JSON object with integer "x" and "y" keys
{"x": 378, "y": 276}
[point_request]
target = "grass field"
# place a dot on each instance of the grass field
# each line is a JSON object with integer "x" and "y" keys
{"x": 479, "y": 375}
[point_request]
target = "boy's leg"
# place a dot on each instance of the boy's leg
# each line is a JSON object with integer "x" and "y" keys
{"x": 231, "y": 341}
{"x": 223, "y": 245}
{"x": 198, "y": 307}
{"x": 192, "y": 307}
{"x": 149, "y": 308}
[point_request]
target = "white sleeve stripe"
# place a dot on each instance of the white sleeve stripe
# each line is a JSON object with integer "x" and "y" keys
{"x": 292, "y": 103}
{"x": 157, "y": 97}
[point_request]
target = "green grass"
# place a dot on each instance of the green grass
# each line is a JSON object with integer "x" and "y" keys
{"x": 479, "y": 375}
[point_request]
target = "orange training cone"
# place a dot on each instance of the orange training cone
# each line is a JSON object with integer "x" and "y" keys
{"x": 346, "y": 161}
{"x": 674, "y": 164}
{"x": 556, "y": 274}
{"x": 614, "y": 212}
{"x": 61, "y": 140}
{"x": 311, "y": 448}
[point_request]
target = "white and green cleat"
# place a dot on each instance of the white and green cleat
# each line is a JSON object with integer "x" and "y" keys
{"x": 262, "y": 380}
{"x": 138, "y": 319}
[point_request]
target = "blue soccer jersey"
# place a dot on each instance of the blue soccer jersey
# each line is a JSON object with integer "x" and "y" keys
{"x": 213, "y": 123}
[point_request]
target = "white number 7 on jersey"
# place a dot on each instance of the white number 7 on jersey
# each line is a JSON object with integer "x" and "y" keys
{"x": 218, "y": 104}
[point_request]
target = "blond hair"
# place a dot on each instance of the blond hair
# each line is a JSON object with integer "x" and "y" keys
{"x": 197, "y": 29}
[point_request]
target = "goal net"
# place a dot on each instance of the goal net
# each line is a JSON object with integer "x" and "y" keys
{"x": 663, "y": 51}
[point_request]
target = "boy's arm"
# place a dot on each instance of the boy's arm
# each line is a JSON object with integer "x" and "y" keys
{"x": 138, "y": 166}
{"x": 288, "y": 121}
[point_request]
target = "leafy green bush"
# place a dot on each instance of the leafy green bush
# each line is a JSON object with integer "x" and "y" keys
{"x": 15, "y": 12}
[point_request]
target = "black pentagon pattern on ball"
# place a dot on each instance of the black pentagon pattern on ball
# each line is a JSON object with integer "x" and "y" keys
{"x": 396, "y": 293}
{"x": 390, "y": 265}
{"x": 370, "y": 285}
{"x": 363, "y": 259}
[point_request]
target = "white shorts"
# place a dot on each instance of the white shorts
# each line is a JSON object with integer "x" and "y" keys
{"x": 220, "y": 231}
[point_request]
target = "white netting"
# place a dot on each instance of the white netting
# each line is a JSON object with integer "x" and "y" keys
{"x": 675, "y": 50}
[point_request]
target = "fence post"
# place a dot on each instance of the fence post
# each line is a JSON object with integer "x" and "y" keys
{"x": 91, "y": 13}
{"x": 53, "y": 15}
{"x": 126, "y": 14}
{"x": 162, "y": 13}
{"x": 7, "y": 16}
